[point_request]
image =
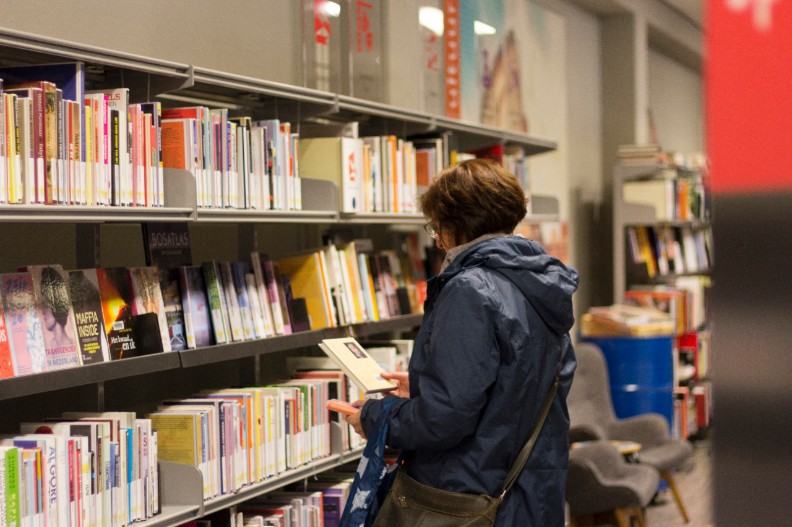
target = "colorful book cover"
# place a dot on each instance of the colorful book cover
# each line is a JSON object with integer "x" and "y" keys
{"x": 168, "y": 247}
{"x": 148, "y": 298}
{"x": 24, "y": 326}
{"x": 87, "y": 305}
{"x": 51, "y": 291}
{"x": 128, "y": 335}
{"x": 217, "y": 307}
{"x": 6, "y": 362}
{"x": 197, "y": 316}
{"x": 117, "y": 300}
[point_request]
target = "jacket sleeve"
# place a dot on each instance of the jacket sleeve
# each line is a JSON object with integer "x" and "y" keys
{"x": 460, "y": 366}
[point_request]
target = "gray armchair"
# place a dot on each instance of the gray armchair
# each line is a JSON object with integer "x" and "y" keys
{"x": 591, "y": 416}
{"x": 601, "y": 485}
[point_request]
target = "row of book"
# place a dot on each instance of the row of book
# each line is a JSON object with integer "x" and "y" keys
{"x": 663, "y": 250}
{"x": 51, "y": 318}
{"x": 66, "y": 145}
{"x": 62, "y": 144}
{"x": 673, "y": 198}
{"x": 319, "y": 502}
{"x": 692, "y": 410}
{"x": 338, "y": 284}
{"x": 104, "y": 466}
{"x": 80, "y": 470}
{"x": 239, "y": 436}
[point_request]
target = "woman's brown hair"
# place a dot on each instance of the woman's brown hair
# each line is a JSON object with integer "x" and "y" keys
{"x": 474, "y": 198}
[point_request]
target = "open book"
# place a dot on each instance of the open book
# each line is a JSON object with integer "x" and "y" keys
{"x": 359, "y": 366}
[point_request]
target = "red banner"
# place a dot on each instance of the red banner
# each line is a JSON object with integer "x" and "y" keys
{"x": 453, "y": 93}
{"x": 749, "y": 95}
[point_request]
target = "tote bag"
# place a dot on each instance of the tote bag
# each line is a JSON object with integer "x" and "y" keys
{"x": 373, "y": 478}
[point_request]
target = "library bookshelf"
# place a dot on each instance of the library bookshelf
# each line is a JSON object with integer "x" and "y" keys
{"x": 81, "y": 236}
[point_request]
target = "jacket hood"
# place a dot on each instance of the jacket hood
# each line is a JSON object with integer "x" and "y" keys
{"x": 545, "y": 281}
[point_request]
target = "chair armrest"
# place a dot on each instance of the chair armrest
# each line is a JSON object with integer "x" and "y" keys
{"x": 647, "y": 429}
{"x": 583, "y": 433}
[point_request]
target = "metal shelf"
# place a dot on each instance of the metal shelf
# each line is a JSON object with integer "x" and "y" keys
{"x": 86, "y": 375}
{"x": 251, "y": 348}
{"x": 387, "y": 325}
{"x": 382, "y": 217}
{"x": 281, "y": 480}
{"x": 265, "y": 216}
{"x": 85, "y": 214}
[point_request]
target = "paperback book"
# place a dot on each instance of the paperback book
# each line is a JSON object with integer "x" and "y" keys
{"x": 51, "y": 292}
{"x": 128, "y": 335}
{"x": 24, "y": 326}
{"x": 359, "y": 366}
{"x": 87, "y": 305}
{"x": 148, "y": 298}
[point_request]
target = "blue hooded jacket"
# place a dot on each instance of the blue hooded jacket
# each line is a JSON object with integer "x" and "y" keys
{"x": 495, "y": 331}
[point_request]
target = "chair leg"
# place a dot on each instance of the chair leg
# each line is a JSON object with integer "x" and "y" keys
{"x": 666, "y": 475}
{"x": 639, "y": 515}
{"x": 622, "y": 517}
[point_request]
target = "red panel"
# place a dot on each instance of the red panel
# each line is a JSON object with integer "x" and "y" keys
{"x": 749, "y": 95}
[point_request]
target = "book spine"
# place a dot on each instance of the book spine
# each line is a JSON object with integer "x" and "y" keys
{"x": 213, "y": 293}
{"x": 189, "y": 328}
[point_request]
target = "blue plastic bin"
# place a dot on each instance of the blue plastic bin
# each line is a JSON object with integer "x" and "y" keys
{"x": 641, "y": 373}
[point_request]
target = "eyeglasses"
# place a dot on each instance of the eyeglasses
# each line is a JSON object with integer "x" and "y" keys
{"x": 433, "y": 230}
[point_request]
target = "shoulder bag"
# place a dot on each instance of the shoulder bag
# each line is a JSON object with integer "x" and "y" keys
{"x": 413, "y": 504}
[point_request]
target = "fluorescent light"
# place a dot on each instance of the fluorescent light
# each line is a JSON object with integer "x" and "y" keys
{"x": 432, "y": 19}
{"x": 332, "y": 8}
{"x": 480, "y": 28}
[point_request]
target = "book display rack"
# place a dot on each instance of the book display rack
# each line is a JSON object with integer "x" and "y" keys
{"x": 662, "y": 258}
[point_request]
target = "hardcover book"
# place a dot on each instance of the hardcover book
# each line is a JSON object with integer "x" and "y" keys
{"x": 307, "y": 276}
{"x": 148, "y": 298}
{"x": 87, "y": 305}
{"x": 359, "y": 366}
{"x": 168, "y": 247}
{"x": 24, "y": 326}
{"x": 51, "y": 291}
{"x": 197, "y": 318}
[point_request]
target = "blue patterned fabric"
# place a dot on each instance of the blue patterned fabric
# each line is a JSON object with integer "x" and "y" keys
{"x": 373, "y": 478}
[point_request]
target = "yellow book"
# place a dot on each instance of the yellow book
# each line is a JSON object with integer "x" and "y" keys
{"x": 308, "y": 281}
{"x": 336, "y": 159}
{"x": 177, "y": 436}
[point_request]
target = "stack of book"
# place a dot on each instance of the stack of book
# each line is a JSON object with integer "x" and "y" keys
{"x": 640, "y": 154}
{"x": 94, "y": 468}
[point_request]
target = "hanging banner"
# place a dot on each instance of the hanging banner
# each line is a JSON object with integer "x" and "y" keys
{"x": 452, "y": 73}
{"x": 748, "y": 95}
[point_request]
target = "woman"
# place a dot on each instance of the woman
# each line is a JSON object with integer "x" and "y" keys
{"x": 494, "y": 335}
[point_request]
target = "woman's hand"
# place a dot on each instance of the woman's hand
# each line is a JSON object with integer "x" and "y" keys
{"x": 354, "y": 419}
{"x": 402, "y": 380}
